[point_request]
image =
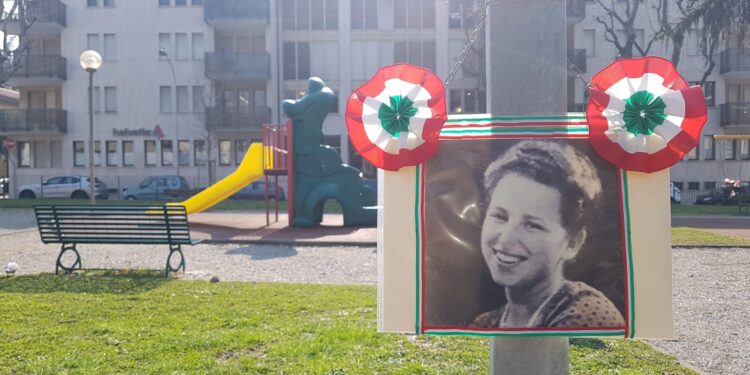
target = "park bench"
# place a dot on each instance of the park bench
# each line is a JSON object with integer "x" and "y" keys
{"x": 70, "y": 225}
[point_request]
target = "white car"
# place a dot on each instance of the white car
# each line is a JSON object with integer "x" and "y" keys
{"x": 76, "y": 187}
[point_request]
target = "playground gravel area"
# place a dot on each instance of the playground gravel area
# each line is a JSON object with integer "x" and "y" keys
{"x": 711, "y": 286}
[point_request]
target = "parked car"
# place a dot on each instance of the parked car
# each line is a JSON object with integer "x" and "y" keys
{"x": 257, "y": 190}
{"x": 76, "y": 187}
{"x": 4, "y": 186}
{"x": 733, "y": 192}
{"x": 674, "y": 194}
{"x": 716, "y": 196}
{"x": 169, "y": 187}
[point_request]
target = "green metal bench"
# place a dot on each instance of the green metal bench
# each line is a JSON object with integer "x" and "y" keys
{"x": 70, "y": 225}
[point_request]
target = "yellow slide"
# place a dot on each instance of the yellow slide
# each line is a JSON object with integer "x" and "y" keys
{"x": 248, "y": 171}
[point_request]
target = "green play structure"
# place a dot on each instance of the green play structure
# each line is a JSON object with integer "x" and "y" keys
{"x": 319, "y": 174}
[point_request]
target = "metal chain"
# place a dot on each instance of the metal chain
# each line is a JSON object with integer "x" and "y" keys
{"x": 469, "y": 43}
{"x": 573, "y": 68}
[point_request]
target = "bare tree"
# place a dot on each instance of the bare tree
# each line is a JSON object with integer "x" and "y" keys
{"x": 619, "y": 25}
{"x": 15, "y": 46}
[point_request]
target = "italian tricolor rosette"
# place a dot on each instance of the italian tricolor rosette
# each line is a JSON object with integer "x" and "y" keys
{"x": 394, "y": 119}
{"x": 642, "y": 114}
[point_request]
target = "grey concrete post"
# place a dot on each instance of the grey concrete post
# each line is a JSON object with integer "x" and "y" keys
{"x": 527, "y": 74}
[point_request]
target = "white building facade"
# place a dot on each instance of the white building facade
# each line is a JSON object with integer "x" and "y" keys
{"x": 234, "y": 62}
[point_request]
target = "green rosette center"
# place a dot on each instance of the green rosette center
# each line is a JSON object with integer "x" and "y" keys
{"x": 643, "y": 113}
{"x": 395, "y": 118}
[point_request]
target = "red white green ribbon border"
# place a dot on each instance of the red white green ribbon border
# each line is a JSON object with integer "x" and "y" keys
{"x": 572, "y": 125}
{"x": 628, "y": 331}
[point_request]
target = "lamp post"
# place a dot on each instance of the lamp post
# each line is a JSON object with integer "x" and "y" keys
{"x": 91, "y": 61}
{"x": 163, "y": 52}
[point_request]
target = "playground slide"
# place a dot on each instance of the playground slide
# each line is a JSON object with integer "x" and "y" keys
{"x": 248, "y": 171}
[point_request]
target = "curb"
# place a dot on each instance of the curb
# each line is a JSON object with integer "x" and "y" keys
{"x": 292, "y": 243}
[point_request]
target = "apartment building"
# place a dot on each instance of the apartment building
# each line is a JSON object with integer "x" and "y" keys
{"x": 185, "y": 84}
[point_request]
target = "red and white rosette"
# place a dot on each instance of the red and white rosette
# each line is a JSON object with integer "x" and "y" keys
{"x": 642, "y": 114}
{"x": 394, "y": 119}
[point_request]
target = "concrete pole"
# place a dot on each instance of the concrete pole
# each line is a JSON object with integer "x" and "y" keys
{"x": 526, "y": 75}
{"x": 92, "y": 177}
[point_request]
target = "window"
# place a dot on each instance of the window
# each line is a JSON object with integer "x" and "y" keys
{"x": 164, "y": 2}
{"x": 182, "y": 99}
{"x": 332, "y": 14}
{"x": 296, "y": 60}
{"x": 78, "y": 154}
{"x": 201, "y": 153}
{"x": 287, "y": 17}
{"x": 128, "y": 155}
{"x": 165, "y": 99}
{"x": 92, "y": 42}
{"x": 97, "y": 99}
{"x": 24, "y": 154}
{"x": 240, "y": 149}
{"x": 693, "y": 154}
{"x": 92, "y": 3}
{"x": 181, "y": 46}
{"x": 364, "y": 14}
{"x": 97, "y": 153}
{"x": 460, "y": 14}
{"x": 183, "y": 152}
{"x": 708, "y": 147}
{"x": 709, "y": 185}
{"x": 109, "y": 51}
{"x": 467, "y": 101}
{"x": 197, "y": 2}
{"x": 111, "y": 153}
{"x": 225, "y": 152}
{"x": 55, "y": 149}
{"x": 110, "y": 99}
{"x": 728, "y": 146}
{"x": 165, "y": 43}
{"x": 40, "y": 154}
{"x": 679, "y": 185}
{"x": 197, "y": 46}
{"x": 589, "y": 42}
{"x": 745, "y": 149}
{"x": 709, "y": 91}
{"x": 415, "y": 52}
{"x": 692, "y": 43}
{"x": 180, "y": 2}
{"x": 694, "y": 185}
{"x": 414, "y": 14}
{"x": 109, "y": 3}
{"x": 198, "y": 103}
{"x": 166, "y": 152}
{"x": 149, "y": 150}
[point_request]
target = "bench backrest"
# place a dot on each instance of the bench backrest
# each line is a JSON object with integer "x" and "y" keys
{"x": 113, "y": 224}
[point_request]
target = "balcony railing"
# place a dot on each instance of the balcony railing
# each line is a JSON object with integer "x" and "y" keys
{"x": 33, "y": 120}
{"x": 734, "y": 60}
{"x": 37, "y": 66}
{"x": 235, "y": 10}
{"x": 237, "y": 118}
{"x": 233, "y": 65}
{"x": 578, "y": 58}
{"x": 735, "y": 114}
{"x": 41, "y": 11}
{"x": 575, "y": 10}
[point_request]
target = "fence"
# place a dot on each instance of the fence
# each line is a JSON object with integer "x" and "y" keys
{"x": 112, "y": 187}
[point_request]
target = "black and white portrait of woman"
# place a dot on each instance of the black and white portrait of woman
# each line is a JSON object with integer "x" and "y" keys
{"x": 522, "y": 234}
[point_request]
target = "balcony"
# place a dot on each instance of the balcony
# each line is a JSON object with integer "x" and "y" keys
{"x": 236, "y": 14}
{"x": 33, "y": 121}
{"x": 247, "y": 66}
{"x": 36, "y": 70}
{"x": 578, "y": 58}
{"x": 48, "y": 16}
{"x": 237, "y": 118}
{"x": 735, "y": 63}
{"x": 735, "y": 114}
{"x": 575, "y": 11}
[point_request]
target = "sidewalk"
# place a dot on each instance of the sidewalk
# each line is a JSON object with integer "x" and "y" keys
{"x": 250, "y": 227}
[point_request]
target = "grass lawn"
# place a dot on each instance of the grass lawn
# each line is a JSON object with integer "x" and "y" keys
{"x": 139, "y": 322}
{"x": 680, "y": 209}
{"x": 691, "y": 236}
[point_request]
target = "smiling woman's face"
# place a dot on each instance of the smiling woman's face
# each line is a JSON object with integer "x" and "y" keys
{"x": 523, "y": 240}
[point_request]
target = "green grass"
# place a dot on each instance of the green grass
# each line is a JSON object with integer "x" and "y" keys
{"x": 139, "y": 322}
{"x": 682, "y": 236}
{"x": 679, "y": 209}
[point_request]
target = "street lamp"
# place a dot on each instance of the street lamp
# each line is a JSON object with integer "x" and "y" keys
{"x": 91, "y": 61}
{"x": 163, "y": 52}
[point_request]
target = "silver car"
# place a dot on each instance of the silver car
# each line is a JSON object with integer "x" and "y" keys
{"x": 76, "y": 187}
